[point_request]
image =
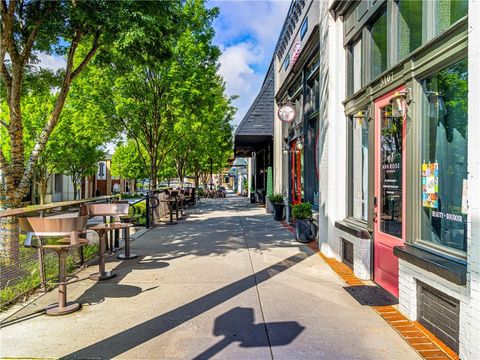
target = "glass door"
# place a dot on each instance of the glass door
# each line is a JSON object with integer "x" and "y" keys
{"x": 389, "y": 194}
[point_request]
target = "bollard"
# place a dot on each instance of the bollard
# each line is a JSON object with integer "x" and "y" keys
{"x": 147, "y": 212}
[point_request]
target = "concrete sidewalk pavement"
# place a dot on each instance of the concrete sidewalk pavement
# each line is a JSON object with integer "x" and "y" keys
{"x": 228, "y": 283}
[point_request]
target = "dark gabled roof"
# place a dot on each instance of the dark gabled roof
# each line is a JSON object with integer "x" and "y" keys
{"x": 258, "y": 121}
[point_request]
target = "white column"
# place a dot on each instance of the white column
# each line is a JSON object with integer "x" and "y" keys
{"x": 473, "y": 261}
{"x": 277, "y": 138}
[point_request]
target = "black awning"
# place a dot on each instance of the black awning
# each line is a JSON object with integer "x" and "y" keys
{"x": 245, "y": 144}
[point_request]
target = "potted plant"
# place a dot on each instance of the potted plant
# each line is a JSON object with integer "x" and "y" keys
{"x": 302, "y": 213}
{"x": 277, "y": 202}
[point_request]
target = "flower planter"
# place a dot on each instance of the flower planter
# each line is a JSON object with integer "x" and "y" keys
{"x": 303, "y": 230}
{"x": 278, "y": 212}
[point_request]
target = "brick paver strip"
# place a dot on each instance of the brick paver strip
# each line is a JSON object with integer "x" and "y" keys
{"x": 419, "y": 338}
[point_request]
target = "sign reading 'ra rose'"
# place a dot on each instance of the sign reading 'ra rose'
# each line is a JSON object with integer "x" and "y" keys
{"x": 297, "y": 49}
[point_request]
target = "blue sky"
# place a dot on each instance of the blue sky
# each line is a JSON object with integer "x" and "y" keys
{"x": 247, "y": 32}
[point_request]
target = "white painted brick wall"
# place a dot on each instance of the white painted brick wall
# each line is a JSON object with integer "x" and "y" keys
{"x": 362, "y": 251}
{"x": 332, "y": 155}
{"x": 408, "y": 276}
{"x": 472, "y": 336}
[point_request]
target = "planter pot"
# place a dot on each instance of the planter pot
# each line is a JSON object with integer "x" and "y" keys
{"x": 252, "y": 198}
{"x": 278, "y": 212}
{"x": 303, "y": 230}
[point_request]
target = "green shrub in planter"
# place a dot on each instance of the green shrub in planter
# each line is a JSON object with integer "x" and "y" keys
{"x": 276, "y": 198}
{"x": 277, "y": 202}
{"x": 302, "y": 211}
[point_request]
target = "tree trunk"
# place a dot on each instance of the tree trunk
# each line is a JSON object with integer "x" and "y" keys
{"x": 43, "y": 184}
{"x": 9, "y": 236}
{"x": 75, "y": 188}
{"x": 153, "y": 177}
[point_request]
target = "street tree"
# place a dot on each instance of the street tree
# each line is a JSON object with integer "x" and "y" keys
{"x": 59, "y": 27}
{"x": 129, "y": 161}
{"x": 156, "y": 100}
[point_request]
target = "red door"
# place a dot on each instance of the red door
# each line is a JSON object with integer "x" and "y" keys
{"x": 296, "y": 173}
{"x": 389, "y": 224}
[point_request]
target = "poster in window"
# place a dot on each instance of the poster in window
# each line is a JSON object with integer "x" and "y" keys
{"x": 430, "y": 185}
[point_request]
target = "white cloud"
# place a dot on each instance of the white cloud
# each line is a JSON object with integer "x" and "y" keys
{"x": 239, "y": 75}
{"x": 236, "y": 69}
{"x": 247, "y": 32}
{"x": 262, "y": 20}
{"x": 51, "y": 62}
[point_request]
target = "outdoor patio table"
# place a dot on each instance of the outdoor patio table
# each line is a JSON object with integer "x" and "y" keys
{"x": 102, "y": 230}
{"x": 66, "y": 232}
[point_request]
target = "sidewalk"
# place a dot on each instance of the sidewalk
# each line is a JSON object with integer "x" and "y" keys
{"x": 227, "y": 283}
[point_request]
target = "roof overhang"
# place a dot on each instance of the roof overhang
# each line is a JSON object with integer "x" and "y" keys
{"x": 244, "y": 145}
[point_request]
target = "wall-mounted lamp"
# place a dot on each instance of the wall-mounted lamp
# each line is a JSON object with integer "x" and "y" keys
{"x": 360, "y": 119}
{"x": 399, "y": 103}
{"x": 437, "y": 104}
{"x": 299, "y": 145}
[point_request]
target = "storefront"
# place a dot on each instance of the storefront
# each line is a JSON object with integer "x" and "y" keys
{"x": 297, "y": 90}
{"x": 407, "y": 113}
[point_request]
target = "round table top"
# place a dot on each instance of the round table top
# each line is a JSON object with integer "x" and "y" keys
{"x": 113, "y": 226}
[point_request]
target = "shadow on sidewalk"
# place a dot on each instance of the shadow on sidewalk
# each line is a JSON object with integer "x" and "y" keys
{"x": 238, "y": 326}
{"x": 118, "y": 344}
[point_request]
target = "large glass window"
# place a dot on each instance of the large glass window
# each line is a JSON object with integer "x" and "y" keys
{"x": 444, "y": 158}
{"x": 449, "y": 12}
{"x": 410, "y": 26}
{"x": 359, "y": 166}
{"x": 379, "y": 45}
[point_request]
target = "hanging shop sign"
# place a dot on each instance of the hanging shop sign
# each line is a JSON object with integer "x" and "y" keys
{"x": 286, "y": 113}
{"x": 430, "y": 185}
{"x": 297, "y": 49}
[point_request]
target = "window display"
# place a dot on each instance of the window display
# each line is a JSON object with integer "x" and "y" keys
{"x": 444, "y": 157}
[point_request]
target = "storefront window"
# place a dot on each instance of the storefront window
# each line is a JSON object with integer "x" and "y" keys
{"x": 312, "y": 96}
{"x": 410, "y": 26}
{"x": 359, "y": 156}
{"x": 450, "y": 11}
{"x": 379, "y": 45}
{"x": 444, "y": 158}
{"x": 357, "y": 65}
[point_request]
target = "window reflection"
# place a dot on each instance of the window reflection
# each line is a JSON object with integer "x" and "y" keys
{"x": 379, "y": 45}
{"x": 410, "y": 26}
{"x": 391, "y": 173}
{"x": 360, "y": 169}
{"x": 444, "y": 157}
